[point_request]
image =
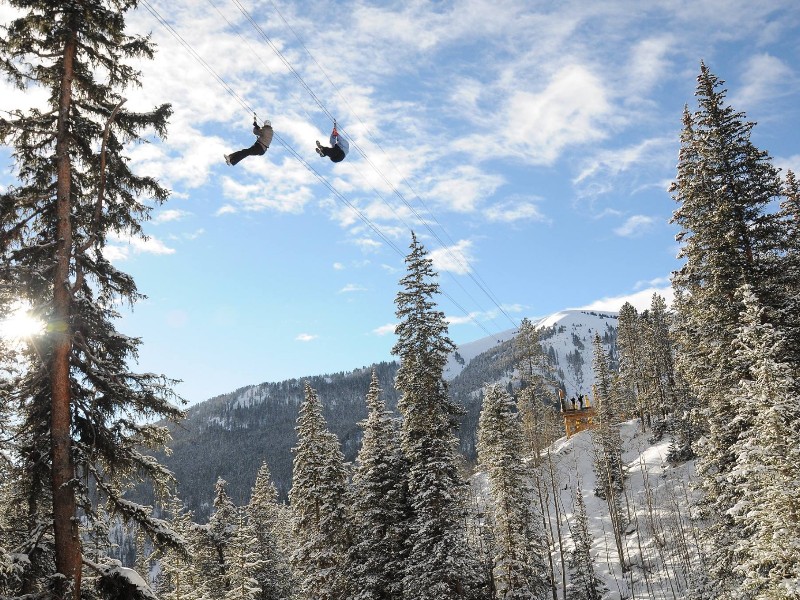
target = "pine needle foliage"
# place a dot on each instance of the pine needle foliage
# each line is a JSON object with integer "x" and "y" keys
{"x": 317, "y": 497}
{"x": 379, "y": 501}
{"x": 439, "y": 565}
{"x": 737, "y": 336}
{"x": 267, "y": 518}
{"x": 519, "y": 563}
{"x": 74, "y": 188}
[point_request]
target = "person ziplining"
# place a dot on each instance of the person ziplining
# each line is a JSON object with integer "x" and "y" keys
{"x": 339, "y": 147}
{"x": 264, "y": 139}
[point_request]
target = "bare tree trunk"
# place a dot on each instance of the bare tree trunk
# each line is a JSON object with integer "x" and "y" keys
{"x": 556, "y": 496}
{"x": 547, "y": 527}
{"x": 65, "y": 524}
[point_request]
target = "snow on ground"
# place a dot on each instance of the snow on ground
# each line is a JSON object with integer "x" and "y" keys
{"x": 466, "y": 352}
{"x": 573, "y": 332}
{"x": 659, "y": 541}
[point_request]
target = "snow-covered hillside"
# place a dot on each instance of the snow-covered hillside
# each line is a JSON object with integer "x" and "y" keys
{"x": 659, "y": 543}
{"x": 566, "y": 336}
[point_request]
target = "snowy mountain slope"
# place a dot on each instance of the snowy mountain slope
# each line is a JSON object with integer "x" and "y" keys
{"x": 465, "y": 353}
{"x": 566, "y": 337}
{"x": 659, "y": 542}
{"x": 228, "y": 436}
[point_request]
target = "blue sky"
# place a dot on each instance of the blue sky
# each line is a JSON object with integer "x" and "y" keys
{"x": 529, "y": 145}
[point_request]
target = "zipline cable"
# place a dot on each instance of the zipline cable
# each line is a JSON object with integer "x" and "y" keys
{"x": 459, "y": 259}
{"x": 307, "y": 165}
{"x": 242, "y": 102}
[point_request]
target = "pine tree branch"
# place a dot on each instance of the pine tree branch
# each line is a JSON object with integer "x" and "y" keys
{"x": 98, "y": 207}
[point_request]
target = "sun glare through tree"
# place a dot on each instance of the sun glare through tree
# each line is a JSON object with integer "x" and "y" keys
{"x": 20, "y": 324}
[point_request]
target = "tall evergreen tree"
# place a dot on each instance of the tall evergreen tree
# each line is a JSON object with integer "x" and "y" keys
{"x": 244, "y": 563}
{"x": 584, "y": 583}
{"x": 379, "y": 506}
{"x": 216, "y": 539}
{"x": 764, "y": 509}
{"x": 787, "y": 268}
{"x": 724, "y": 188}
{"x": 318, "y": 494}
{"x": 536, "y": 395}
{"x": 267, "y": 518}
{"x": 519, "y": 562}
{"x": 632, "y": 361}
{"x": 176, "y": 577}
{"x": 439, "y": 565}
{"x": 82, "y": 408}
{"x": 608, "y": 443}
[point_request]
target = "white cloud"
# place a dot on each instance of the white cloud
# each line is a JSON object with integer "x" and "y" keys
{"x": 306, "y": 337}
{"x": 635, "y": 226}
{"x": 641, "y": 300}
{"x": 648, "y": 63}
{"x": 455, "y": 258}
{"x": 789, "y": 163}
{"x": 337, "y": 266}
{"x": 472, "y": 317}
{"x": 571, "y": 110}
{"x": 513, "y": 211}
{"x": 225, "y": 209}
{"x": 384, "y": 329}
{"x": 151, "y": 245}
{"x": 277, "y": 195}
{"x": 611, "y": 163}
{"x": 764, "y": 77}
{"x": 464, "y": 188}
{"x": 658, "y": 282}
{"x": 367, "y": 244}
{"x": 352, "y": 287}
{"x": 165, "y": 216}
{"x": 115, "y": 253}
{"x": 195, "y": 234}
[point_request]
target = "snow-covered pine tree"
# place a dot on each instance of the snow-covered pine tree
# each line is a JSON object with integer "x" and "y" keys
{"x": 607, "y": 445}
{"x": 519, "y": 542}
{"x": 533, "y": 366}
{"x": 787, "y": 268}
{"x": 379, "y": 506}
{"x": 724, "y": 188}
{"x": 672, "y": 402}
{"x": 268, "y": 518}
{"x": 244, "y": 562}
{"x": 217, "y": 541}
{"x": 536, "y": 395}
{"x": 632, "y": 365}
{"x": 440, "y": 565}
{"x": 541, "y": 426}
{"x": 317, "y": 497}
{"x": 607, "y": 441}
{"x": 176, "y": 578}
{"x": 584, "y": 584}
{"x": 84, "y": 413}
{"x": 659, "y": 360}
{"x": 764, "y": 507}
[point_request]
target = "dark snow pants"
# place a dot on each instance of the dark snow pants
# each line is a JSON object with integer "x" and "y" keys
{"x": 256, "y": 149}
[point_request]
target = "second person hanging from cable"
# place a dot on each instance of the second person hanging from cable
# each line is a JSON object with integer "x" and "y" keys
{"x": 264, "y": 139}
{"x": 339, "y": 146}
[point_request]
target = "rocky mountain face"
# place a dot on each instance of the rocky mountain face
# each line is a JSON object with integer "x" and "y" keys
{"x": 229, "y": 436}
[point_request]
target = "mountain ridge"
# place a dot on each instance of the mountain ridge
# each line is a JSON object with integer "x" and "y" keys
{"x": 231, "y": 434}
